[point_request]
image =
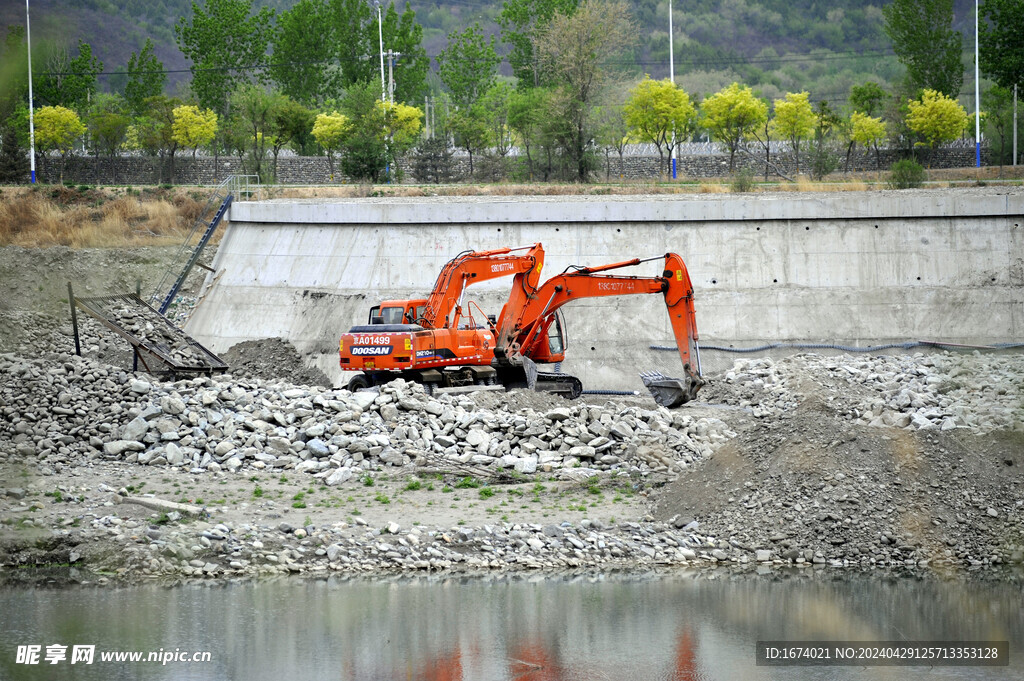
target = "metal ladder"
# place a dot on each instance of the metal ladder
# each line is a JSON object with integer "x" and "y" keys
{"x": 186, "y": 257}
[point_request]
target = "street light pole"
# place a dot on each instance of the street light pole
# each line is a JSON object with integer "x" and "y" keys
{"x": 380, "y": 35}
{"x": 672, "y": 77}
{"x": 31, "y": 115}
{"x": 977, "y": 94}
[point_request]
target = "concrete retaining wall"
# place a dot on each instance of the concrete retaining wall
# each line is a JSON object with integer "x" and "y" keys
{"x": 861, "y": 267}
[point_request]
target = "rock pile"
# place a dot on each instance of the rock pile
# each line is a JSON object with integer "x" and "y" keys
{"x": 62, "y": 410}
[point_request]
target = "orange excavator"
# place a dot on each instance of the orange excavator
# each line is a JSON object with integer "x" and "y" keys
{"x": 437, "y": 340}
{"x": 404, "y": 340}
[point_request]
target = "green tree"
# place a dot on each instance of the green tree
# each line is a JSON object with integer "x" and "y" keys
{"x": 937, "y": 118}
{"x": 68, "y": 82}
{"x": 997, "y": 103}
{"x": 868, "y": 132}
{"x": 107, "y": 123}
{"x": 304, "y": 66}
{"x": 925, "y": 43}
{"x": 794, "y": 121}
{"x": 1001, "y": 40}
{"x": 655, "y": 110}
{"x": 470, "y": 131}
{"x": 293, "y": 125}
{"x": 522, "y": 22}
{"x": 612, "y": 134}
{"x": 732, "y": 114}
{"x": 329, "y": 131}
{"x": 826, "y": 123}
{"x": 13, "y": 73}
{"x": 494, "y": 105}
{"x": 57, "y": 129}
{"x": 367, "y": 156}
{"x": 867, "y": 98}
{"x": 468, "y": 66}
{"x": 223, "y": 40}
{"x": 575, "y": 50}
{"x": 525, "y": 117}
{"x": 256, "y": 111}
{"x": 403, "y": 34}
{"x": 14, "y": 164}
{"x": 193, "y": 127}
{"x": 146, "y": 78}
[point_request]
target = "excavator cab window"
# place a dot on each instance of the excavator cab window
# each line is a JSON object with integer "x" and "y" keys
{"x": 556, "y": 339}
{"x": 391, "y": 315}
{"x": 374, "y": 315}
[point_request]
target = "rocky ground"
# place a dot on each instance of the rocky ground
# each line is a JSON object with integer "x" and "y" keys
{"x": 834, "y": 461}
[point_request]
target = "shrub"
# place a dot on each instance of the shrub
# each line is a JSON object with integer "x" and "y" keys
{"x": 743, "y": 181}
{"x": 906, "y": 174}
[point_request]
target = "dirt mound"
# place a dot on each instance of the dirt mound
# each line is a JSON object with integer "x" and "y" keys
{"x": 272, "y": 359}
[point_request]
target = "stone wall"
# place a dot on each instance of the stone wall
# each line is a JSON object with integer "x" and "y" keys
{"x": 135, "y": 170}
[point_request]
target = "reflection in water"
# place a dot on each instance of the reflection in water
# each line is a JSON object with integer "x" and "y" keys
{"x": 679, "y": 627}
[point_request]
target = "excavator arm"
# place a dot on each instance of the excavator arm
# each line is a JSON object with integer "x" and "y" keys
{"x": 522, "y": 336}
{"x": 444, "y": 305}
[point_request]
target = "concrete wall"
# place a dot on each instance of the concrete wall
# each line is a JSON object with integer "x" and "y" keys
{"x": 860, "y": 267}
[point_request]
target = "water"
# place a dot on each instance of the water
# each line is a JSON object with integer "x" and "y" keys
{"x": 539, "y": 628}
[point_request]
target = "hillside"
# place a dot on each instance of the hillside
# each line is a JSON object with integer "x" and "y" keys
{"x": 774, "y": 45}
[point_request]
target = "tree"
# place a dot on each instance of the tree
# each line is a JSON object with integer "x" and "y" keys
{"x": 494, "y": 105}
{"x": 826, "y": 122}
{"x": 655, "y": 110}
{"x": 731, "y": 114}
{"x": 522, "y": 21}
{"x": 469, "y": 131}
{"x": 997, "y": 103}
{"x": 867, "y": 98}
{"x": 868, "y": 132}
{"x": 613, "y": 134}
{"x": 937, "y": 118}
{"x": 432, "y": 162}
{"x": 468, "y": 66}
{"x": 1002, "y": 42}
{"x": 146, "y": 78}
{"x": 525, "y": 116}
{"x": 794, "y": 121}
{"x": 14, "y": 165}
{"x": 223, "y": 40}
{"x": 329, "y": 131}
{"x": 574, "y": 49}
{"x": 193, "y": 127}
{"x": 403, "y": 34}
{"x": 57, "y": 129}
{"x": 69, "y": 82}
{"x": 293, "y": 124}
{"x": 304, "y": 65}
{"x": 107, "y": 125}
{"x": 402, "y": 127}
{"x": 255, "y": 109}
{"x": 926, "y": 44}
{"x": 367, "y": 156}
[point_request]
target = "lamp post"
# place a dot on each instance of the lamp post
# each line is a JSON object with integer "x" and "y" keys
{"x": 672, "y": 77}
{"x": 380, "y": 35}
{"x": 977, "y": 94}
{"x": 31, "y": 115}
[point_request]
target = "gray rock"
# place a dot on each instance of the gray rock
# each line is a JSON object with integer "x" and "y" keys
{"x": 139, "y": 387}
{"x": 763, "y": 555}
{"x": 338, "y": 476}
{"x": 119, "y": 447}
{"x": 318, "y": 448}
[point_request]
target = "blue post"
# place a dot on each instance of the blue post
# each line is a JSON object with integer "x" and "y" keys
{"x": 977, "y": 153}
{"x": 673, "y": 167}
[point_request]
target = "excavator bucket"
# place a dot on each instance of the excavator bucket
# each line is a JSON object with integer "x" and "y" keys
{"x": 670, "y": 392}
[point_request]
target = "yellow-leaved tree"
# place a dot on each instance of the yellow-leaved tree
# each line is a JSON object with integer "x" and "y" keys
{"x": 937, "y": 118}
{"x": 329, "y": 131}
{"x": 731, "y": 114}
{"x": 656, "y": 111}
{"x": 193, "y": 127}
{"x": 867, "y": 131}
{"x": 57, "y": 129}
{"x": 794, "y": 121}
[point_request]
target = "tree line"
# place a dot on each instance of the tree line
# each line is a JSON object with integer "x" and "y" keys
{"x": 309, "y": 80}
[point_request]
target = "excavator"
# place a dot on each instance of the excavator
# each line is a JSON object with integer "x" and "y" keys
{"x": 440, "y": 343}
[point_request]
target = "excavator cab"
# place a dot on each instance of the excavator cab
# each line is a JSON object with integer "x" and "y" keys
{"x": 397, "y": 312}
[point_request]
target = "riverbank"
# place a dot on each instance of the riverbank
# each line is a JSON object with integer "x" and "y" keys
{"x": 909, "y": 461}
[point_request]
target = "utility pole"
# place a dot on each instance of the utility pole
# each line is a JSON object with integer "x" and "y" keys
{"x": 672, "y": 77}
{"x": 392, "y": 56}
{"x": 1014, "y": 124}
{"x": 977, "y": 93}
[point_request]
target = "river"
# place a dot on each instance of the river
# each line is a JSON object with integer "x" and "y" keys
{"x": 677, "y": 626}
